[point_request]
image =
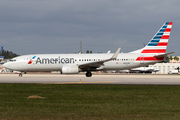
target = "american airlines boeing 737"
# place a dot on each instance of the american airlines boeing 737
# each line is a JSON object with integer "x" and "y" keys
{"x": 153, "y": 52}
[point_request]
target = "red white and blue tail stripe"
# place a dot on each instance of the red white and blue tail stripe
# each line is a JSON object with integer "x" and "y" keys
{"x": 158, "y": 43}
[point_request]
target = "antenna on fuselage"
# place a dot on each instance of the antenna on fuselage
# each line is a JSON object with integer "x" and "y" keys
{"x": 144, "y": 44}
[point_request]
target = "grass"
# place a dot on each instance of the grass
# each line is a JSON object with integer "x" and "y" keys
{"x": 89, "y": 102}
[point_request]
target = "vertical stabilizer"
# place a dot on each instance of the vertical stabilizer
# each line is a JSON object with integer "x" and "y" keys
{"x": 158, "y": 43}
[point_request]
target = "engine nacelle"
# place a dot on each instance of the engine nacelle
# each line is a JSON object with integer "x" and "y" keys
{"x": 70, "y": 69}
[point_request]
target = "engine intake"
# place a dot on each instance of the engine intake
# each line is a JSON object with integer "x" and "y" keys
{"x": 70, "y": 69}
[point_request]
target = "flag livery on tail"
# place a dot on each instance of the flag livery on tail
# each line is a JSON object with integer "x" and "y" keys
{"x": 158, "y": 43}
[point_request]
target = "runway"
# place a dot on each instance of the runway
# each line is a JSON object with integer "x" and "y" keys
{"x": 95, "y": 79}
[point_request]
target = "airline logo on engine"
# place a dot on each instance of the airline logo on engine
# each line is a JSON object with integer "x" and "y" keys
{"x": 58, "y": 60}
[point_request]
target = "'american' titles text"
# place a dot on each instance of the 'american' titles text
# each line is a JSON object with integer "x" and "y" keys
{"x": 54, "y": 60}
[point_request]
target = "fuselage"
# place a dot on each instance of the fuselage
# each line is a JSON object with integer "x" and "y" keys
{"x": 55, "y": 62}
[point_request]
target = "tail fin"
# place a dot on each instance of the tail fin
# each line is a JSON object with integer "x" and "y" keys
{"x": 158, "y": 43}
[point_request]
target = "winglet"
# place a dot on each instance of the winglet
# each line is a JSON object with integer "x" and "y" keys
{"x": 115, "y": 54}
{"x": 109, "y": 52}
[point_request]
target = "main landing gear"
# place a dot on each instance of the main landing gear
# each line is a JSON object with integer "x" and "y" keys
{"x": 20, "y": 74}
{"x": 88, "y": 74}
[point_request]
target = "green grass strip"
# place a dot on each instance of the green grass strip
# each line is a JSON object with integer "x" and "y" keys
{"x": 74, "y": 102}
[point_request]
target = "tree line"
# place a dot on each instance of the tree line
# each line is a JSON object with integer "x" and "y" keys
{"x": 176, "y": 58}
{"x": 8, "y": 54}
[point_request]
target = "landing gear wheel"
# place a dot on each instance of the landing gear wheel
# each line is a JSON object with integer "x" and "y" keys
{"x": 20, "y": 74}
{"x": 88, "y": 74}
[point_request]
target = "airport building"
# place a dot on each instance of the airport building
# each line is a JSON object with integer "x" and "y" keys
{"x": 1, "y": 58}
{"x": 164, "y": 68}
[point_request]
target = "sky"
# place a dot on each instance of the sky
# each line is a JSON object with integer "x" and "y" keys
{"x": 58, "y": 26}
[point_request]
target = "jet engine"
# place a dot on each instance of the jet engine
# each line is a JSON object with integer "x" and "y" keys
{"x": 70, "y": 69}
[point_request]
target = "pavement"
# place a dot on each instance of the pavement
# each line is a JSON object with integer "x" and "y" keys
{"x": 144, "y": 79}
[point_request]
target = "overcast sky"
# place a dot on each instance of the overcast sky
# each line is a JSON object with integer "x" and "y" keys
{"x": 58, "y": 26}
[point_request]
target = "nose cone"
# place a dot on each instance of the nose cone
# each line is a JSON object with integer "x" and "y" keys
{"x": 6, "y": 65}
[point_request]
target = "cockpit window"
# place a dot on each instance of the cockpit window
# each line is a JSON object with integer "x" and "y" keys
{"x": 12, "y": 60}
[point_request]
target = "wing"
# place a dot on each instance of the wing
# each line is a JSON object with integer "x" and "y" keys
{"x": 96, "y": 64}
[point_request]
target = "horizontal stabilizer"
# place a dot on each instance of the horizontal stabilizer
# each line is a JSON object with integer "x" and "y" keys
{"x": 164, "y": 55}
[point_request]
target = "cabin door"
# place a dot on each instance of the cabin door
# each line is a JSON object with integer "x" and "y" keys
{"x": 141, "y": 60}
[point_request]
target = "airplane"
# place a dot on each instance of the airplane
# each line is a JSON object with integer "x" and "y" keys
{"x": 145, "y": 69}
{"x": 140, "y": 70}
{"x": 153, "y": 52}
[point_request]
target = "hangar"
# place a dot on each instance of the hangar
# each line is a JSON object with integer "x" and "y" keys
{"x": 164, "y": 68}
